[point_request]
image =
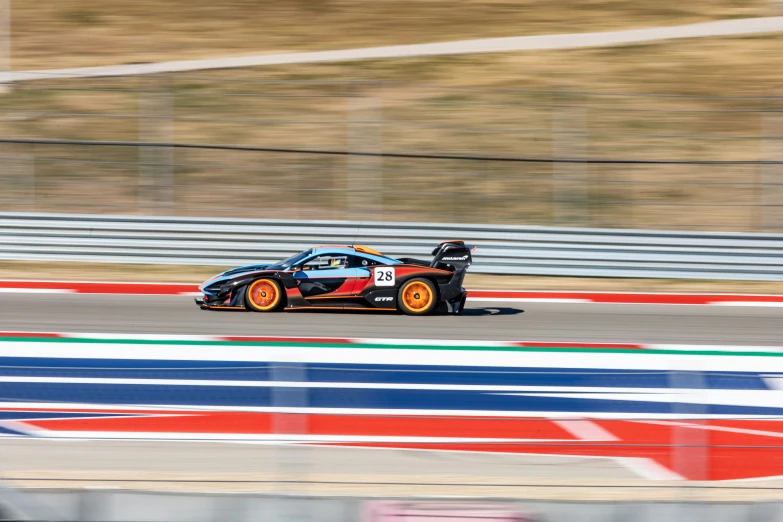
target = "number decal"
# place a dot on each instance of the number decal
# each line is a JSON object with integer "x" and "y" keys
{"x": 384, "y": 276}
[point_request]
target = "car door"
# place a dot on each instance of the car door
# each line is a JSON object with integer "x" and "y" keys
{"x": 376, "y": 282}
{"x": 364, "y": 272}
{"x": 326, "y": 279}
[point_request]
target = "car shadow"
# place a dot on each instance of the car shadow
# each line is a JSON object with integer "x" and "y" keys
{"x": 492, "y": 310}
{"x": 470, "y": 312}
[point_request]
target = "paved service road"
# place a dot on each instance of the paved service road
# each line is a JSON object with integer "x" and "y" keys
{"x": 220, "y": 467}
{"x": 203, "y": 467}
{"x": 481, "y": 321}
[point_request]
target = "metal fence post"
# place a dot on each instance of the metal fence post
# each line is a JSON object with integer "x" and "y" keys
{"x": 365, "y": 172}
{"x": 156, "y": 180}
{"x": 772, "y": 174}
{"x": 289, "y": 420}
{"x": 569, "y": 180}
{"x": 5, "y": 44}
{"x": 689, "y": 448}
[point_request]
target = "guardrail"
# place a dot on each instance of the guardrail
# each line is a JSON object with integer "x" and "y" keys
{"x": 502, "y": 249}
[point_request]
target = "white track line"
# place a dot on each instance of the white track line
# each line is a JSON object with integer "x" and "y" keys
{"x": 386, "y": 412}
{"x": 709, "y": 427}
{"x": 484, "y": 45}
{"x": 712, "y": 348}
{"x": 773, "y": 304}
{"x": 648, "y": 468}
{"x": 585, "y": 430}
{"x": 36, "y": 291}
{"x": 768, "y": 363}
{"x": 531, "y": 300}
{"x": 490, "y": 388}
{"x": 774, "y": 382}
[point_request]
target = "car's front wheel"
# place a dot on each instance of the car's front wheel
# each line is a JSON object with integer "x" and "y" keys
{"x": 264, "y": 295}
{"x": 417, "y": 297}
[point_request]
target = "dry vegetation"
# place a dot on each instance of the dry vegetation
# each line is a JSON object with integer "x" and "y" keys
{"x": 483, "y": 104}
{"x": 480, "y": 104}
{"x": 63, "y": 33}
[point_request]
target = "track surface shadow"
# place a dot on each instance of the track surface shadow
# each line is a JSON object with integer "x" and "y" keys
{"x": 470, "y": 312}
{"x": 477, "y": 312}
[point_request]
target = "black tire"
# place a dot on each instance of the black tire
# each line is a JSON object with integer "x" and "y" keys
{"x": 258, "y": 298}
{"x": 417, "y": 297}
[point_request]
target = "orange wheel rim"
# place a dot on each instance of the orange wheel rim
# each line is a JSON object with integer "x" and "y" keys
{"x": 264, "y": 294}
{"x": 417, "y": 296}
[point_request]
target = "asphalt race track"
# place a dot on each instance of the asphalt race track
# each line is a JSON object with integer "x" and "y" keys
{"x": 678, "y": 324}
{"x": 33, "y": 390}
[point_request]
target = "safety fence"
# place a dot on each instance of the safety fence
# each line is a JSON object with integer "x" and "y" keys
{"x": 264, "y": 146}
{"x": 502, "y": 249}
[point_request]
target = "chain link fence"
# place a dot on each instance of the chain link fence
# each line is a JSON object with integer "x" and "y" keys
{"x": 216, "y": 145}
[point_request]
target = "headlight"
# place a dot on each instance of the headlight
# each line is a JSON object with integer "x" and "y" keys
{"x": 213, "y": 288}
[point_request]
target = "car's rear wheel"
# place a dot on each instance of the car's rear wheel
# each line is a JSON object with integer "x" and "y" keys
{"x": 264, "y": 295}
{"x": 417, "y": 297}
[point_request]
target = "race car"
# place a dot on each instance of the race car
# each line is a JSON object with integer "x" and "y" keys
{"x": 348, "y": 278}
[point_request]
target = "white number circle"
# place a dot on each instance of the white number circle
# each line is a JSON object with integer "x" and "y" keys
{"x": 384, "y": 276}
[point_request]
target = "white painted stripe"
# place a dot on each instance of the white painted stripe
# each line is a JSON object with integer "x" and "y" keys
{"x": 105, "y": 408}
{"x": 346, "y": 385}
{"x": 648, "y": 468}
{"x": 585, "y": 430}
{"x": 771, "y": 304}
{"x": 190, "y": 294}
{"x": 611, "y": 292}
{"x": 387, "y": 412}
{"x": 432, "y": 342}
{"x": 713, "y": 348}
{"x": 80, "y": 281}
{"x": 726, "y": 429}
{"x": 774, "y": 382}
{"x": 399, "y": 341}
{"x": 746, "y": 398}
{"x": 531, "y": 300}
{"x": 484, "y": 45}
{"x": 36, "y": 291}
{"x": 420, "y": 357}
{"x": 140, "y": 337}
{"x": 754, "y": 479}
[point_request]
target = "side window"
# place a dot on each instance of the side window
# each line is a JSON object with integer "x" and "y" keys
{"x": 360, "y": 262}
{"x": 326, "y": 262}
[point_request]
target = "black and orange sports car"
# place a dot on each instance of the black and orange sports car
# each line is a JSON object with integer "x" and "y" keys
{"x": 346, "y": 277}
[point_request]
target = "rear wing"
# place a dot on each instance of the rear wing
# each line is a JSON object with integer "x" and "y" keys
{"x": 452, "y": 255}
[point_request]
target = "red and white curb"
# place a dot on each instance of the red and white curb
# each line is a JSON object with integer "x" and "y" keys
{"x": 626, "y": 298}
{"x": 395, "y": 343}
{"x": 97, "y": 287}
{"x": 513, "y": 296}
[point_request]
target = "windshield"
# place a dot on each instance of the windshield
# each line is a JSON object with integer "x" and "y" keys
{"x": 284, "y": 265}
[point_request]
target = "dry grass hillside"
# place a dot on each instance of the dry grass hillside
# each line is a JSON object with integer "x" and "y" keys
{"x": 488, "y": 104}
{"x": 63, "y": 33}
{"x": 491, "y": 104}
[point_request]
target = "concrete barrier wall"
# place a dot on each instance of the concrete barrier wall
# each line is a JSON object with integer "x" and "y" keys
{"x": 150, "y": 506}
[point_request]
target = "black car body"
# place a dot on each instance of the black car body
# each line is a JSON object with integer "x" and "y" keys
{"x": 346, "y": 277}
